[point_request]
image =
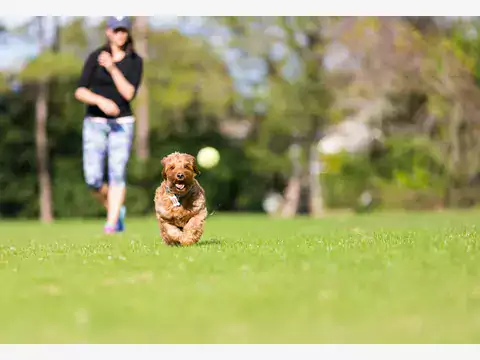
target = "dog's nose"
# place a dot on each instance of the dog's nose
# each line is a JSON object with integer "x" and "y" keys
{"x": 180, "y": 176}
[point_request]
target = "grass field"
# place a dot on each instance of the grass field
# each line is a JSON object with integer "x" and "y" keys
{"x": 375, "y": 278}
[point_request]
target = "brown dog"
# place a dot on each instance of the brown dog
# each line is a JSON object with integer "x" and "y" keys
{"x": 180, "y": 201}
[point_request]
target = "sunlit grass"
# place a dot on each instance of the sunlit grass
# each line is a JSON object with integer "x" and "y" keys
{"x": 373, "y": 278}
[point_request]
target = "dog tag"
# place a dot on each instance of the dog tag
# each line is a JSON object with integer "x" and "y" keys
{"x": 174, "y": 200}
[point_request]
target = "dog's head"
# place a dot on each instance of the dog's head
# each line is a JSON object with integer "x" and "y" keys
{"x": 179, "y": 170}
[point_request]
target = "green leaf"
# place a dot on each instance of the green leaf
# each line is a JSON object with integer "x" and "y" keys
{"x": 51, "y": 65}
{"x": 3, "y": 83}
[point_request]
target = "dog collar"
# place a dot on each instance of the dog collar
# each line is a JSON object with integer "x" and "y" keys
{"x": 174, "y": 198}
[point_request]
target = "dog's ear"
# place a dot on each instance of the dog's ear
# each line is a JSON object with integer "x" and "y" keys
{"x": 193, "y": 161}
{"x": 195, "y": 167}
{"x": 164, "y": 165}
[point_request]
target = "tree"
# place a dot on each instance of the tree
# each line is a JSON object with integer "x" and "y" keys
{"x": 41, "y": 137}
{"x": 143, "y": 131}
{"x": 185, "y": 76}
{"x": 50, "y": 64}
{"x": 295, "y": 96}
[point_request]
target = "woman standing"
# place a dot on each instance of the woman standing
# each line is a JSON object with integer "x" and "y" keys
{"x": 109, "y": 82}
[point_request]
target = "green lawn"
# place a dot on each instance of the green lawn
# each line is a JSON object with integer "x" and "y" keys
{"x": 372, "y": 278}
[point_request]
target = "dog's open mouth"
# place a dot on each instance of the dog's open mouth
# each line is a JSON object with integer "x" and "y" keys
{"x": 180, "y": 186}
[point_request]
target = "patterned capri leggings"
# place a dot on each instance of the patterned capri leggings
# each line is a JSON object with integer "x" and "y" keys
{"x": 107, "y": 137}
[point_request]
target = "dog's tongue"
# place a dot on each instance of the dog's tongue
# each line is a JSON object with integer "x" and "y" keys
{"x": 179, "y": 186}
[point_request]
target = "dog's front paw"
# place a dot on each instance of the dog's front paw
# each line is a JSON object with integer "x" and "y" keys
{"x": 162, "y": 212}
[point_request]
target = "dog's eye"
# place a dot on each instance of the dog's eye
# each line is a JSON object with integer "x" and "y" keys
{"x": 171, "y": 167}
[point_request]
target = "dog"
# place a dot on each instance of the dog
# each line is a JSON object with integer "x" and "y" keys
{"x": 180, "y": 204}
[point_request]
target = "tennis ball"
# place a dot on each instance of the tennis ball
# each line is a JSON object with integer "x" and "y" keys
{"x": 208, "y": 157}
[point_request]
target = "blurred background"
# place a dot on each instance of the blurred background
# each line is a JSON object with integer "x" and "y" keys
{"x": 310, "y": 114}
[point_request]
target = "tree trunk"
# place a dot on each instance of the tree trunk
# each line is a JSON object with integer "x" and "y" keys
{"x": 314, "y": 73}
{"x": 41, "y": 140}
{"x": 294, "y": 186}
{"x": 292, "y": 197}
{"x": 316, "y": 203}
{"x": 142, "y": 139}
{"x": 455, "y": 159}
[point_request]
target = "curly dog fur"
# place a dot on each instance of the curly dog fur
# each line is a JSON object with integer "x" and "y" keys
{"x": 180, "y": 201}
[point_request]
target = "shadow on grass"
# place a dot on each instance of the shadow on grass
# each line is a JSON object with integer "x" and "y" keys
{"x": 208, "y": 242}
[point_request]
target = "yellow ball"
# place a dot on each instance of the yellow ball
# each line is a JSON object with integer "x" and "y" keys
{"x": 208, "y": 157}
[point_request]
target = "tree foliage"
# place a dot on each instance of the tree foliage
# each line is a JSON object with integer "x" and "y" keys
{"x": 255, "y": 86}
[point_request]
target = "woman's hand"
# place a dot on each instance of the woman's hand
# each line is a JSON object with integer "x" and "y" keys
{"x": 108, "y": 107}
{"x": 124, "y": 87}
{"x": 105, "y": 60}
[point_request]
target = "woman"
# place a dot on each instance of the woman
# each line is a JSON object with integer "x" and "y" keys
{"x": 109, "y": 82}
